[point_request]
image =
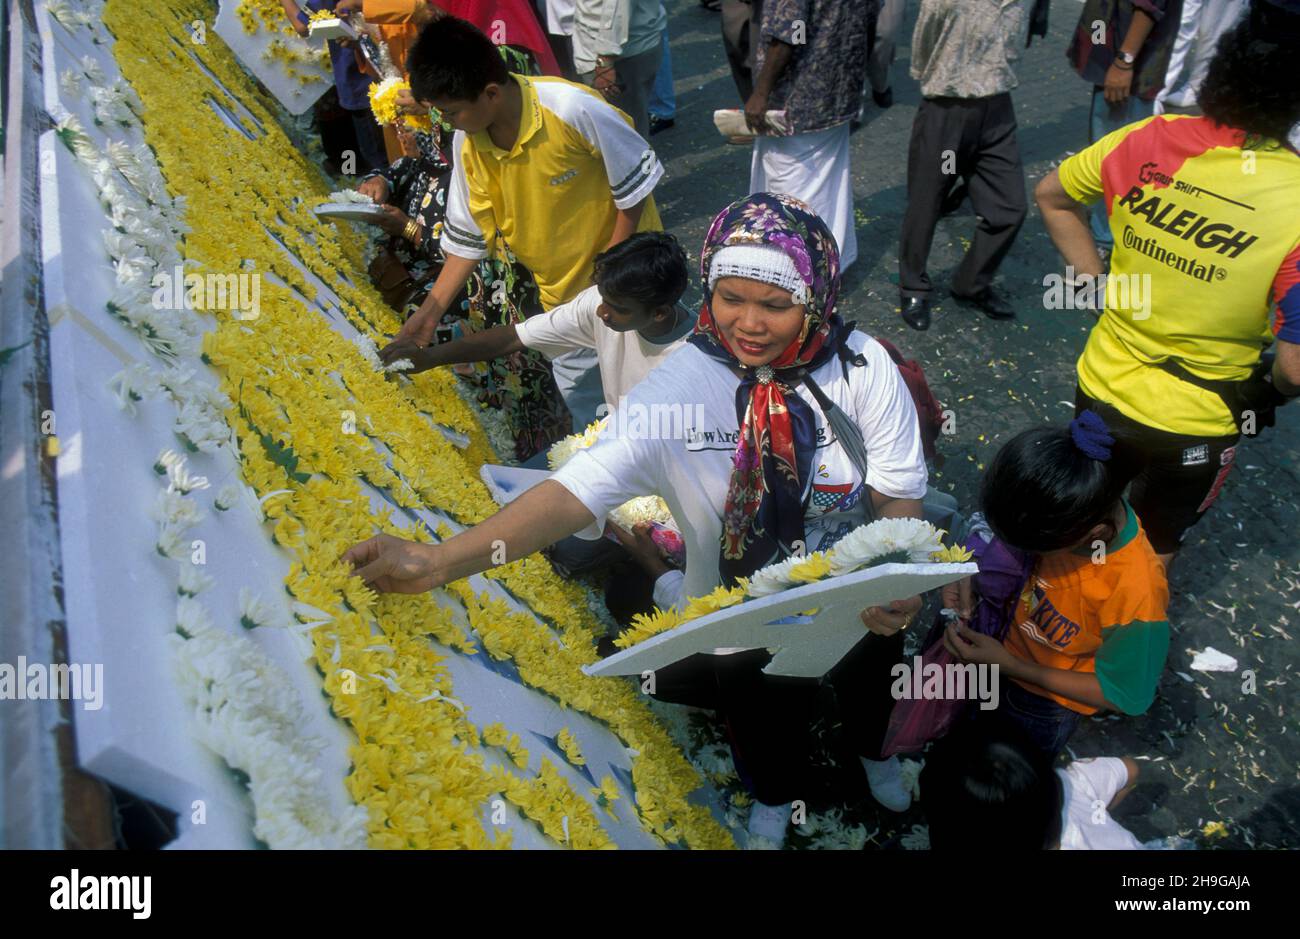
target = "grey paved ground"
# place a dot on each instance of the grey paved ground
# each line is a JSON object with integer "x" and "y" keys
{"x": 1213, "y": 753}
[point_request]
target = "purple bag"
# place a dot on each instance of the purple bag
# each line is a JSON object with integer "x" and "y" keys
{"x": 1003, "y": 572}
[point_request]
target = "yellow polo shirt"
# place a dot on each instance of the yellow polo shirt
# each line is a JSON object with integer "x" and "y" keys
{"x": 554, "y": 196}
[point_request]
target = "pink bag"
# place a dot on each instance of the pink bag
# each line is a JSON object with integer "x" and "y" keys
{"x": 915, "y": 722}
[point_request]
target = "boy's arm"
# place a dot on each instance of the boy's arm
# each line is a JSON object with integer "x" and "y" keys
{"x": 625, "y": 223}
{"x": 1131, "y": 765}
{"x": 1066, "y": 221}
{"x": 1083, "y": 687}
{"x": 481, "y": 346}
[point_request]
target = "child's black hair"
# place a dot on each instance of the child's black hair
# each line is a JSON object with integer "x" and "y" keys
{"x": 452, "y": 60}
{"x": 648, "y": 268}
{"x": 985, "y": 786}
{"x": 1049, "y": 486}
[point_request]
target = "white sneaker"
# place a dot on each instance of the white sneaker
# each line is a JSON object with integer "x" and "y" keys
{"x": 886, "y": 782}
{"x": 768, "y": 823}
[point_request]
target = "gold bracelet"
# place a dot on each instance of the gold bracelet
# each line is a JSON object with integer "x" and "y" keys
{"x": 411, "y": 231}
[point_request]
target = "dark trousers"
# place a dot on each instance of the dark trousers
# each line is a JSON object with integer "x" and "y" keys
{"x": 781, "y": 729}
{"x": 1044, "y": 723}
{"x": 974, "y": 139}
{"x": 1180, "y": 476}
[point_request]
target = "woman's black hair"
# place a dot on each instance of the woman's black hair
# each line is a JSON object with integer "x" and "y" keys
{"x": 648, "y": 268}
{"x": 1049, "y": 486}
{"x": 1251, "y": 83}
{"x": 452, "y": 60}
{"x": 986, "y": 785}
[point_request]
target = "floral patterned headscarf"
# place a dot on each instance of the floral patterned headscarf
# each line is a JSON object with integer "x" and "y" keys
{"x": 763, "y": 518}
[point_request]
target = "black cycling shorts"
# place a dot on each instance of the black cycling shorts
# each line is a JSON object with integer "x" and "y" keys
{"x": 1181, "y": 478}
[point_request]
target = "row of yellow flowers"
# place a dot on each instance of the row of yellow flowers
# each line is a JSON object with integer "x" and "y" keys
{"x": 315, "y": 424}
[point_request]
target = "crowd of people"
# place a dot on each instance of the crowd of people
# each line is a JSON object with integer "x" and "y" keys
{"x": 524, "y": 247}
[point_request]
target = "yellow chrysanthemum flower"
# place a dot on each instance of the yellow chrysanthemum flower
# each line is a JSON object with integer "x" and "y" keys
{"x": 645, "y": 625}
{"x": 569, "y": 744}
{"x": 719, "y": 599}
{"x": 812, "y": 568}
{"x": 953, "y": 554}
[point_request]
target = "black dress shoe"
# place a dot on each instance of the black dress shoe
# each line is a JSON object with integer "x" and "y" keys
{"x": 884, "y": 99}
{"x": 988, "y": 300}
{"x": 915, "y": 311}
{"x": 660, "y": 123}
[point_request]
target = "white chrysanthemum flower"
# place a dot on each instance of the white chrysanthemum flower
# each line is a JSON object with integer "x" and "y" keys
{"x": 228, "y": 496}
{"x": 401, "y": 365}
{"x": 70, "y": 83}
{"x": 73, "y": 134}
{"x": 171, "y": 542}
{"x": 109, "y": 107}
{"x": 351, "y": 195}
{"x": 192, "y": 580}
{"x": 172, "y": 509}
{"x": 179, "y": 479}
{"x": 774, "y": 578}
{"x": 253, "y": 612}
{"x": 92, "y": 69}
{"x": 908, "y": 540}
{"x": 133, "y": 384}
{"x": 166, "y": 460}
{"x": 369, "y": 351}
{"x": 191, "y": 617}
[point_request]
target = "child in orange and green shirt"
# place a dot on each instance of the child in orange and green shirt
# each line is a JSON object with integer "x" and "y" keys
{"x": 1089, "y": 630}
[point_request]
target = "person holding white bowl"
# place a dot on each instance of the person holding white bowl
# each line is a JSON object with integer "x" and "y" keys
{"x": 808, "y": 432}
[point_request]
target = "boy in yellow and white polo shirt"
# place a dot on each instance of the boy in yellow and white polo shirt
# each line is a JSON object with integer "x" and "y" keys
{"x": 545, "y": 164}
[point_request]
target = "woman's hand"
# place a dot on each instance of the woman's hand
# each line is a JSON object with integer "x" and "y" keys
{"x": 959, "y": 597}
{"x": 392, "y": 565}
{"x": 393, "y": 221}
{"x": 639, "y": 543}
{"x": 885, "y": 621}
{"x": 966, "y": 645}
{"x": 401, "y": 348}
{"x": 1117, "y": 84}
{"x": 376, "y": 187}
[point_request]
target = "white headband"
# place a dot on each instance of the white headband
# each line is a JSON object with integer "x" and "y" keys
{"x": 766, "y": 264}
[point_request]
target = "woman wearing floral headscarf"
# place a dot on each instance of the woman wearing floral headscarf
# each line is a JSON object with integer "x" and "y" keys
{"x": 758, "y": 474}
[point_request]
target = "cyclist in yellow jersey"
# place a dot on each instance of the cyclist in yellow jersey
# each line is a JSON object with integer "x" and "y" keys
{"x": 1205, "y": 212}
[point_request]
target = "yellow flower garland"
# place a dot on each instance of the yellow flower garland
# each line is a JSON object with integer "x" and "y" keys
{"x": 308, "y": 415}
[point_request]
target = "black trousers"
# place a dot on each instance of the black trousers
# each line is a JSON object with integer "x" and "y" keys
{"x": 782, "y": 729}
{"x": 1180, "y": 478}
{"x": 974, "y": 139}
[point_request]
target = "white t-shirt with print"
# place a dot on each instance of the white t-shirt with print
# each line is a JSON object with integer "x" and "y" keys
{"x": 689, "y": 465}
{"x": 624, "y": 358}
{"x": 1086, "y": 825}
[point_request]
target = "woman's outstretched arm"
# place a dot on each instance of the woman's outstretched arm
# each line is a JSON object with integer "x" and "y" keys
{"x": 540, "y": 517}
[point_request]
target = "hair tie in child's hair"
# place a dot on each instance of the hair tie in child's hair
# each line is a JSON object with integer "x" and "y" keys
{"x": 1091, "y": 435}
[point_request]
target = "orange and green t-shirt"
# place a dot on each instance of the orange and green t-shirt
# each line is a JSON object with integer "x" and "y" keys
{"x": 1104, "y": 617}
{"x": 1215, "y": 228}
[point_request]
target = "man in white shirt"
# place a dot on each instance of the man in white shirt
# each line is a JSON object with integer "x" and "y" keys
{"x": 632, "y": 319}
